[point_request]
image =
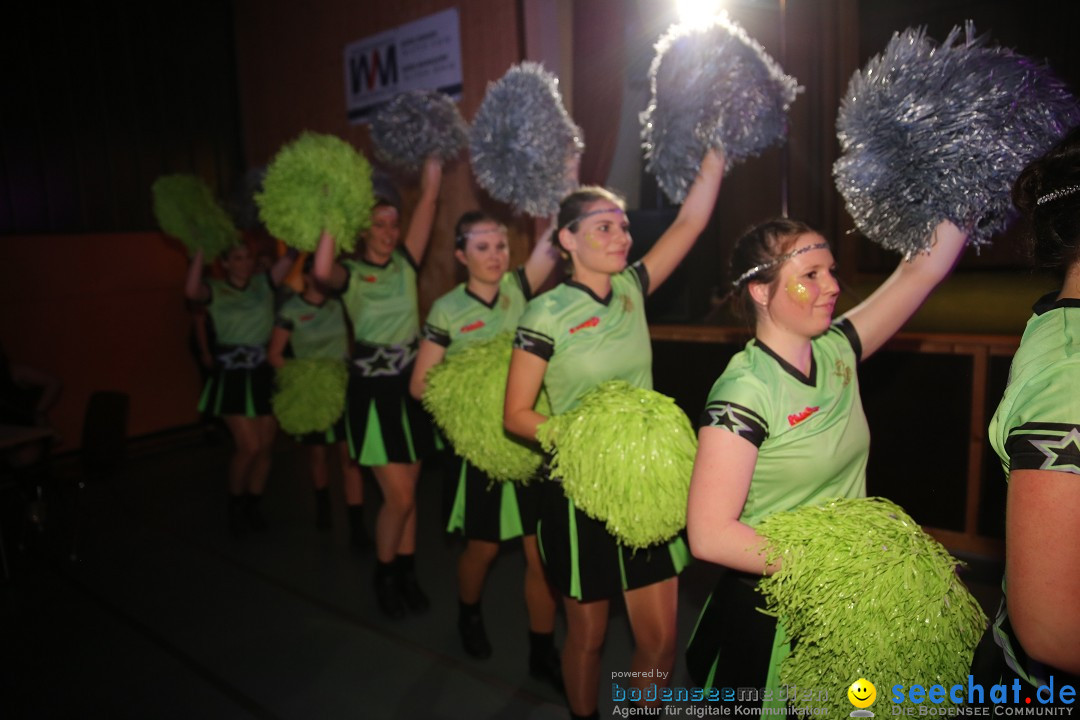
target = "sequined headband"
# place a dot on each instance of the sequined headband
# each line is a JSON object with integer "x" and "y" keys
{"x": 1060, "y": 193}
{"x": 749, "y": 274}
{"x": 582, "y": 216}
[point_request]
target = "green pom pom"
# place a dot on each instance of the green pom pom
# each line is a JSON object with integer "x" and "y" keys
{"x": 465, "y": 396}
{"x": 625, "y": 456}
{"x": 185, "y": 208}
{"x": 318, "y": 182}
{"x": 310, "y": 394}
{"x": 864, "y": 592}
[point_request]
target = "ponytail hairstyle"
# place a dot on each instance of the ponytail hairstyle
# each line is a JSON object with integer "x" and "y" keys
{"x": 1048, "y": 192}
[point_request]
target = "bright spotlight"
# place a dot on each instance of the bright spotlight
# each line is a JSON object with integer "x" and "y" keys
{"x": 697, "y": 12}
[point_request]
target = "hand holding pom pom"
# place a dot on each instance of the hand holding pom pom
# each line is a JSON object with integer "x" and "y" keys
{"x": 415, "y": 125}
{"x": 712, "y": 87}
{"x": 317, "y": 183}
{"x": 522, "y": 141}
{"x": 931, "y": 132}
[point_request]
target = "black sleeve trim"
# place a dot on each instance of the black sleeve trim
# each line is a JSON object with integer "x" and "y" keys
{"x": 408, "y": 257}
{"x": 523, "y": 281}
{"x": 536, "y": 343}
{"x": 642, "y": 273}
{"x": 1045, "y": 446}
{"x": 845, "y": 326}
{"x": 436, "y": 335}
{"x": 735, "y": 418}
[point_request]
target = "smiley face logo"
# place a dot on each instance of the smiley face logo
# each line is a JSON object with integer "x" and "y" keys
{"x": 862, "y": 693}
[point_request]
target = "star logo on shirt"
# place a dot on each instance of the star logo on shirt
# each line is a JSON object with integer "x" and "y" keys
{"x": 243, "y": 357}
{"x": 1063, "y": 454}
{"x": 725, "y": 417}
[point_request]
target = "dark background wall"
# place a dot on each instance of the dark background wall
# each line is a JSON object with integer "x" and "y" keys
{"x": 98, "y": 99}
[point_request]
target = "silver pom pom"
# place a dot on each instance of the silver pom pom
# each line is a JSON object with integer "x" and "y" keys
{"x": 522, "y": 141}
{"x": 934, "y": 132}
{"x": 713, "y": 86}
{"x": 414, "y": 125}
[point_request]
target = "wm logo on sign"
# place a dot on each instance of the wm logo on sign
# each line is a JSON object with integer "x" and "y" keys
{"x": 373, "y": 70}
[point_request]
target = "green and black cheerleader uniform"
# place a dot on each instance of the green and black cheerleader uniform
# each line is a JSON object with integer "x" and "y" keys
{"x": 481, "y": 508}
{"x": 1036, "y": 427}
{"x": 384, "y": 424}
{"x": 317, "y": 332}
{"x": 242, "y": 380}
{"x": 587, "y": 340}
{"x": 813, "y": 444}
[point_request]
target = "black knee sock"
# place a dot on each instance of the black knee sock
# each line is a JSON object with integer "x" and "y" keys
{"x": 540, "y": 645}
{"x": 468, "y": 611}
{"x": 383, "y": 570}
{"x": 405, "y": 564}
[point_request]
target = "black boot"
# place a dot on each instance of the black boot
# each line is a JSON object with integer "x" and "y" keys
{"x": 473, "y": 635}
{"x": 415, "y": 598}
{"x": 358, "y": 537}
{"x": 322, "y": 508}
{"x": 544, "y": 662}
{"x": 387, "y": 593}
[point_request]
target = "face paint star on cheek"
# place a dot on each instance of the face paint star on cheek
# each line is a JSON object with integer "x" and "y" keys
{"x": 592, "y": 242}
{"x": 797, "y": 291}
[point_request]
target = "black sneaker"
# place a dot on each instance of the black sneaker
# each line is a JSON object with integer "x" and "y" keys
{"x": 473, "y": 636}
{"x": 389, "y": 597}
{"x": 548, "y": 668}
{"x": 415, "y": 598}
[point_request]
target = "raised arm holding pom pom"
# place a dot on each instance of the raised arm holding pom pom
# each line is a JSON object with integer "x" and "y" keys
{"x": 783, "y": 426}
{"x": 589, "y": 330}
{"x": 379, "y": 292}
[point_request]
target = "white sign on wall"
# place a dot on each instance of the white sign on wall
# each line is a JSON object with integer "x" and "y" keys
{"x": 421, "y": 55}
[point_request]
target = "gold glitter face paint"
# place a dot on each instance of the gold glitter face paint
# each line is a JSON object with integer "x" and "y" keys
{"x": 592, "y": 242}
{"x": 797, "y": 291}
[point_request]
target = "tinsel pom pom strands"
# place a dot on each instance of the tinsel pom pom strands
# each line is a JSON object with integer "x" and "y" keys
{"x": 864, "y": 592}
{"x": 465, "y": 397}
{"x": 712, "y": 87}
{"x": 522, "y": 141}
{"x": 316, "y": 183}
{"x": 185, "y": 209}
{"x": 624, "y": 456}
{"x": 310, "y": 394}
{"x": 933, "y": 132}
{"x": 414, "y": 125}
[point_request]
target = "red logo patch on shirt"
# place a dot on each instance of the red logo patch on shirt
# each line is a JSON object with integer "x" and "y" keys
{"x": 796, "y": 418}
{"x": 369, "y": 278}
{"x": 307, "y": 318}
{"x": 591, "y": 322}
{"x": 473, "y": 326}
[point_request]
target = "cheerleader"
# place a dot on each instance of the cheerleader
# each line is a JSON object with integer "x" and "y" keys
{"x": 241, "y": 308}
{"x": 386, "y": 427}
{"x": 591, "y": 329}
{"x": 784, "y": 426}
{"x": 488, "y": 304}
{"x": 1036, "y": 434}
{"x": 313, "y": 325}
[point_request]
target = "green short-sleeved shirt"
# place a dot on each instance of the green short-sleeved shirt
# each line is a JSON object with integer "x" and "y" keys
{"x": 812, "y": 438}
{"x": 317, "y": 331}
{"x": 588, "y": 340}
{"x": 381, "y": 300}
{"x": 459, "y": 318}
{"x": 242, "y": 316}
{"x": 1037, "y": 425}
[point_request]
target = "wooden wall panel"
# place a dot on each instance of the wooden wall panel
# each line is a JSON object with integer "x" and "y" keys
{"x": 291, "y": 78}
